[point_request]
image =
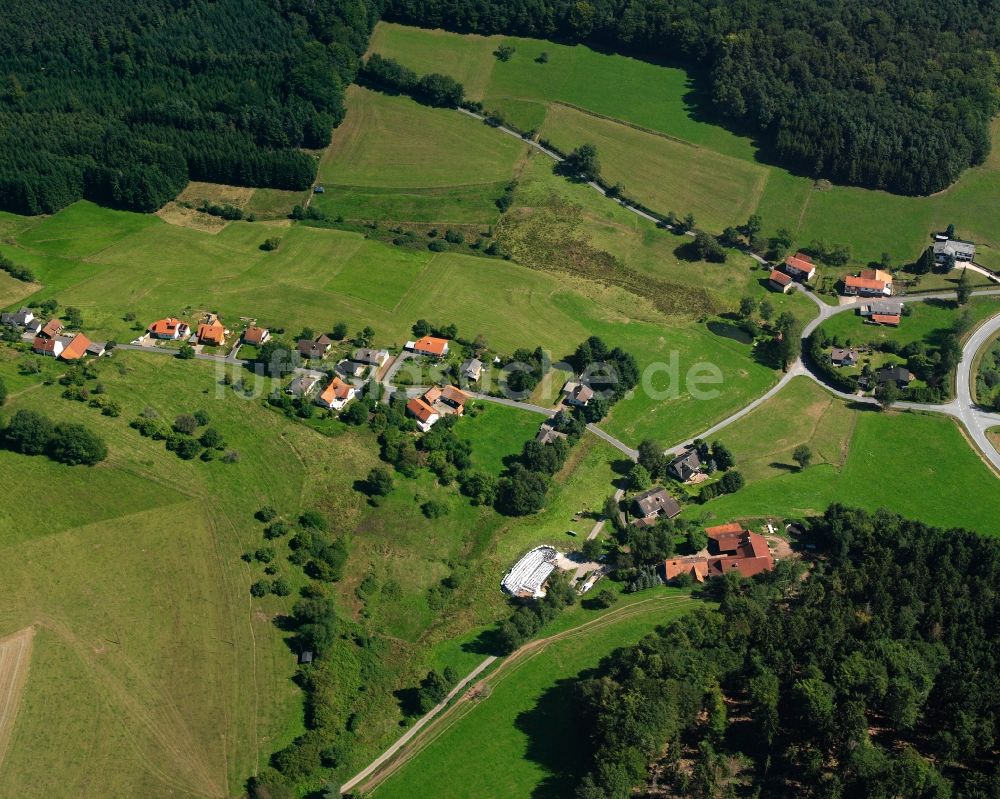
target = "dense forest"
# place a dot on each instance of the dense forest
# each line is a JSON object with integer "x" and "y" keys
{"x": 877, "y": 676}
{"x": 884, "y": 95}
{"x": 123, "y": 104}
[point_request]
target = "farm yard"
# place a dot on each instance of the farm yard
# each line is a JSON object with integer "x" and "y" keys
{"x": 663, "y": 99}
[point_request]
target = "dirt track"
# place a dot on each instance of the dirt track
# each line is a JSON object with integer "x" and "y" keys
{"x": 15, "y": 657}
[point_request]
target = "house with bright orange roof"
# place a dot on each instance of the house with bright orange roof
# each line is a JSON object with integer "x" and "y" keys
{"x": 336, "y": 395}
{"x": 429, "y": 345}
{"x": 212, "y": 331}
{"x": 255, "y": 335}
{"x": 76, "y": 348}
{"x": 869, "y": 283}
{"x": 169, "y": 328}
{"x": 425, "y": 415}
{"x": 800, "y": 266}
{"x": 731, "y": 549}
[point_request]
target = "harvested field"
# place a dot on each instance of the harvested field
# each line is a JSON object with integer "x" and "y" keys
{"x": 15, "y": 657}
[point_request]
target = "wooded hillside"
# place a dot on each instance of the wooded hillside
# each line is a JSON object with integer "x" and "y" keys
{"x": 124, "y": 101}
{"x": 875, "y": 677}
{"x": 895, "y": 96}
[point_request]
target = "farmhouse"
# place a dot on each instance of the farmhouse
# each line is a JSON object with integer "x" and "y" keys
{"x": 425, "y": 415}
{"x": 887, "y": 307}
{"x": 212, "y": 331}
{"x": 652, "y": 505}
{"x": 844, "y": 357}
{"x": 303, "y": 385}
{"x": 429, "y": 345}
{"x": 336, "y": 395}
{"x": 169, "y": 328}
{"x": 779, "y": 281}
{"x": 317, "y": 349}
{"x": 76, "y": 348}
{"x": 577, "y": 394}
{"x": 455, "y": 398}
{"x": 731, "y": 549}
{"x": 526, "y": 578}
{"x": 472, "y": 369}
{"x": 97, "y": 349}
{"x": 800, "y": 266}
{"x": 19, "y": 319}
{"x": 52, "y": 329}
{"x": 685, "y": 466}
{"x": 255, "y": 336}
{"x": 547, "y": 433}
{"x": 944, "y": 251}
{"x": 370, "y": 357}
{"x": 49, "y": 346}
{"x": 899, "y": 375}
{"x": 869, "y": 283}
{"x": 34, "y": 326}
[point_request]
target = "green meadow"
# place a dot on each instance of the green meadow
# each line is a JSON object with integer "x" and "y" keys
{"x": 928, "y": 321}
{"x": 664, "y": 99}
{"x": 394, "y": 159}
{"x": 519, "y": 739}
{"x": 918, "y": 465}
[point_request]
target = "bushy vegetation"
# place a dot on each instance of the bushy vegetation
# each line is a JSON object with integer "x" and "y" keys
{"x": 896, "y": 98}
{"x": 32, "y": 433}
{"x": 988, "y": 378}
{"x": 869, "y": 678}
{"x": 16, "y": 271}
{"x": 434, "y": 89}
{"x": 529, "y": 617}
{"x": 125, "y": 103}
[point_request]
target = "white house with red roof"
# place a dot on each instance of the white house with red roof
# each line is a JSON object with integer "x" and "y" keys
{"x": 800, "y": 266}
{"x": 429, "y": 345}
{"x": 336, "y": 395}
{"x": 169, "y": 328}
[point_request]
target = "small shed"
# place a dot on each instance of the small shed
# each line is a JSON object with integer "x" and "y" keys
{"x": 306, "y": 657}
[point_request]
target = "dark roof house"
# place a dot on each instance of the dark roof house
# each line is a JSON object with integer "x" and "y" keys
{"x": 899, "y": 375}
{"x": 685, "y": 466}
{"x": 653, "y": 504}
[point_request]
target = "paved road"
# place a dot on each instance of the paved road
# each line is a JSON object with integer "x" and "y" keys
{"x": 975, "y": 420}
{"x": 524, "y": 406}
{"x": 391, "y": 752}
{"x": 631, "y": 454}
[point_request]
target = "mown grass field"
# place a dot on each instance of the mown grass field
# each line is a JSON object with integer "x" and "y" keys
{"x": 152, "y": 670}
{"x": 919, "y": 465}
{"x": 520, "y": 740}
{"x": 665, "y": 99}
{"x": 394, "y": 159}
{"x": 719, "y": 190}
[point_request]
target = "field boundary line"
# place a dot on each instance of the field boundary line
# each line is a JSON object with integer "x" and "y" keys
{"x": 634, "y": 126}
{"x": 404, "y": 750}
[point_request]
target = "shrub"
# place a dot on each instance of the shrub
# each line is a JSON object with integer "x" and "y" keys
{"x": 260, "y": 588}
{"x": 271, "y": 244}
{"x": 266, "y": 514}
{"x": 75, "y": 444}
{"x": 433, "y": 509}
{"x": 28, "y": 433}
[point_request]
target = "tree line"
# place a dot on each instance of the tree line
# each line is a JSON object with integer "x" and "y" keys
{"x": 126, "y": 103}
{"x": 894, "y": 98}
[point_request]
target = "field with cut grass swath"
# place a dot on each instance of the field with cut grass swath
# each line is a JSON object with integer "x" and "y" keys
{"x": 519, "y": 738}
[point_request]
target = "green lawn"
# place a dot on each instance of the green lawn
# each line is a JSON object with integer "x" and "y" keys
{"x": 861, "y": 457}
{"x": 664, "y": 99}
{"x": 521, "y": 739}
{"x": 496, "y": 431}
